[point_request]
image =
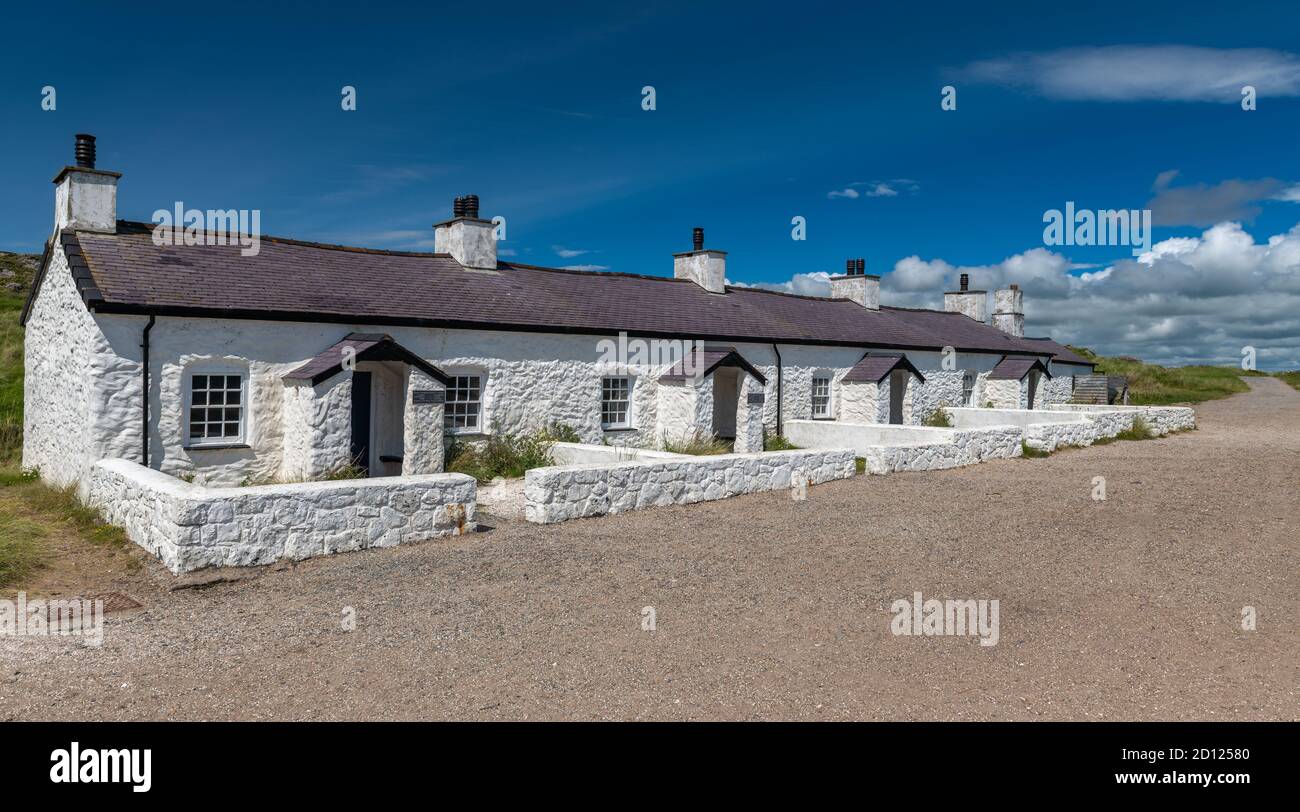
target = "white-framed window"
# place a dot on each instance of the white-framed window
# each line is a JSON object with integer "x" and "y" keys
{"x": 463, "y": 411}
{"x": 216, "y": 402}
{"x": 821, "y": 396}
{"x": 967, "y": 387}
{"x": 616, "y": 402}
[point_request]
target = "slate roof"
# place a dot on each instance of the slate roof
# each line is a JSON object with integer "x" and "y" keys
{"x": 874, "y": 368}
{"x": 710, "y": 359}
{"x": 1060, "y": 352}
{"x": 1015, "y": 369}
{"x": 366, "y": 347}
{"x": 300, "y": 281}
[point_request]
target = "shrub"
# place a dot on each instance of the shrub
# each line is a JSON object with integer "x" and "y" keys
{"x": 938, "y": 419}
{"x": 777, "y": 442}
{"x": 562, "y": 433}
{"x": 860, "y": 464}
{"x": 501, "y": 455}
{"x": 1140, "y": 430}
{"x": 697, "y": 444}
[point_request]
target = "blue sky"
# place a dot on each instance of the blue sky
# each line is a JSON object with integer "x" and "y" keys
{"x": 762, "y": 112}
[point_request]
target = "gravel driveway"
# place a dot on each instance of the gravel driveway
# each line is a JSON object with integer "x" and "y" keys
{"x": 765, "y": 608}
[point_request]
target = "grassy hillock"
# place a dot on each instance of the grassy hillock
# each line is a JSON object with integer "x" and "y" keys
{"x": 1154, "y": 385}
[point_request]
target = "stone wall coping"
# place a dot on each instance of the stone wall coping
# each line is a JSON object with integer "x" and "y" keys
{"x": 712, "y": 460}
{"x": 179, "y": 488}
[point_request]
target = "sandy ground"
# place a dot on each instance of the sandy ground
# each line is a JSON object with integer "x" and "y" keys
{"x": 765, "y": 608}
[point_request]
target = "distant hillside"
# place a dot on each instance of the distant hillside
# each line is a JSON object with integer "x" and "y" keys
{"x": 16, "y": 272}
{"x": 1152, "y": 384}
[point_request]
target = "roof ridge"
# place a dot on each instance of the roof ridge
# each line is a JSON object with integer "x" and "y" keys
{"x": 137, "y": 228}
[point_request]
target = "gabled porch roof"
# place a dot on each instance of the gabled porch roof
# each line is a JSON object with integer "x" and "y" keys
{"x": 874, "y": 368}
{"x": 711, "y": 358}
{"x": 368, "y": 347}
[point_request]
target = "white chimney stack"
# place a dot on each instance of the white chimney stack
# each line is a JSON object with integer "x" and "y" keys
{"x": 972, "y": 303}
{"x": 706, "y": 268}
{"x": 469, "y": 240}
{"x": 857, "y": 285}
{"x": 1009, "y": 311}
{"x": 85, "y": 198}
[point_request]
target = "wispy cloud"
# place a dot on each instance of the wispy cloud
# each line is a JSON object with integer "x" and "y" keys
{"x": 586, "y": 267}
{"x": 568, "y": 253}
{"x": 875, "y": 188}
{"x": 1144, "y": 73}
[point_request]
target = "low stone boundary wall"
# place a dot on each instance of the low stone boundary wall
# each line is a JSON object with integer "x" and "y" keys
{"x": 563, "y": 492}
{"x": 1041, "y": 429}
{"x": 582, "y": 453}
{"x": 1161, "y": 419}
{"x": 189, "y": 527}
{"x": 889, "y": 448}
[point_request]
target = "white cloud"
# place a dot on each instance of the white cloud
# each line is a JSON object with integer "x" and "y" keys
{"x": 586, "y": 267}
{"x": 1291, "y": 194}
{"x": 1188, "y": 300}
{"x": 568, "y": 253}
{"x": 1145, "y": 73}
{"x": 816, "y": 283}
{"x": 875, "y": 188}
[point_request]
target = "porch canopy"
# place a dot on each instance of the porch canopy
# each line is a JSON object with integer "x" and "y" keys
{"x": 1016, "y": 368}
{"x": 367, "y": 347}
{"x": 710, "y": 359}
{"x": 874, "y": 368}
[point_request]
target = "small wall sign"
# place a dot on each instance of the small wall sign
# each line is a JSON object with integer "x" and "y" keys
{"x": 423, "y": 396}
{"x": 756, "y": 398}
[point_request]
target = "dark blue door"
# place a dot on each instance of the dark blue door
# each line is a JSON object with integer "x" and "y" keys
{"x": 361, "y": 420}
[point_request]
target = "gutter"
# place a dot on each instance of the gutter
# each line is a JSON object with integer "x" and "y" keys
{"x": 777, "y": 350}
{"x": 144, "y": 388}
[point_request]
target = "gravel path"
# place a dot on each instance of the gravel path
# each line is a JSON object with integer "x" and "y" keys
{"x": 765, "y": 608}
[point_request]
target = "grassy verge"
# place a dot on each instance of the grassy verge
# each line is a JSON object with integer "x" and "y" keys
{"x": 1290, "y": 378}
{"x": 21, "y": 547}
{"x": 698, "y": 444}
{"x": 1026, "y": 450}
{"x": 15, "y": 270}
{"x": 31, "y": 512}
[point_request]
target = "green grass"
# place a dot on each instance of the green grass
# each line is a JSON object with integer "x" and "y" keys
{"x": 698, "y": 444}
{"x": 1027, "y": 450}
{"x": 1291, "y": 378}
{"x": 1154, "y": 385}
{"x": 501, "y": 455}
{"x": 21, "y": 547}
{"x": 777, "y": 442}
{"x": 11, "y": 354}
{"x": 860, "y": 464}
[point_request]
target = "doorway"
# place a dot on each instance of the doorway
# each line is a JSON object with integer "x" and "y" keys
{"x": 361, "y": 421}
{"x": 726, "y": 391}
{"x": 1033, "y": 386}
{"x": 897, "y": 389}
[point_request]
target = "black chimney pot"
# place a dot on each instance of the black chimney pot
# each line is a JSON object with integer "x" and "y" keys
{"x": 965, "y": 282}
{"x": 458, "y": 207}
{"x": 471, "y": 206}
{"x": 697, "y": 239}
{"x": 85, "y": 151}
{"x": 862, "y": 266}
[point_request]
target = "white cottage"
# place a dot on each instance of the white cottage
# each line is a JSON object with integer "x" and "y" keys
{"x": 205, "y": 363}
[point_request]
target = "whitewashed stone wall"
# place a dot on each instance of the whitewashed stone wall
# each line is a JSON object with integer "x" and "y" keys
{"x": 560, "y": 493}
{"x": 889, "y": 448}
{"x": 1161, "y": 419}
{"x": 941, "y": 388}
{"x": 1058, "y": 389}
{"x": 58, "y": 383}
{"x": 1003, "y": 394}
{"x": 422, "y": 430}
{"x": 1051, "y": 436}
{"x": 189, "y": 526}
{"x": 967, "y": 447}
{"x": 749, "y": 418}
{"x": 859, "y": 402}
{"x": 317, "y": 426}
{"x": 584, "y": 453}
